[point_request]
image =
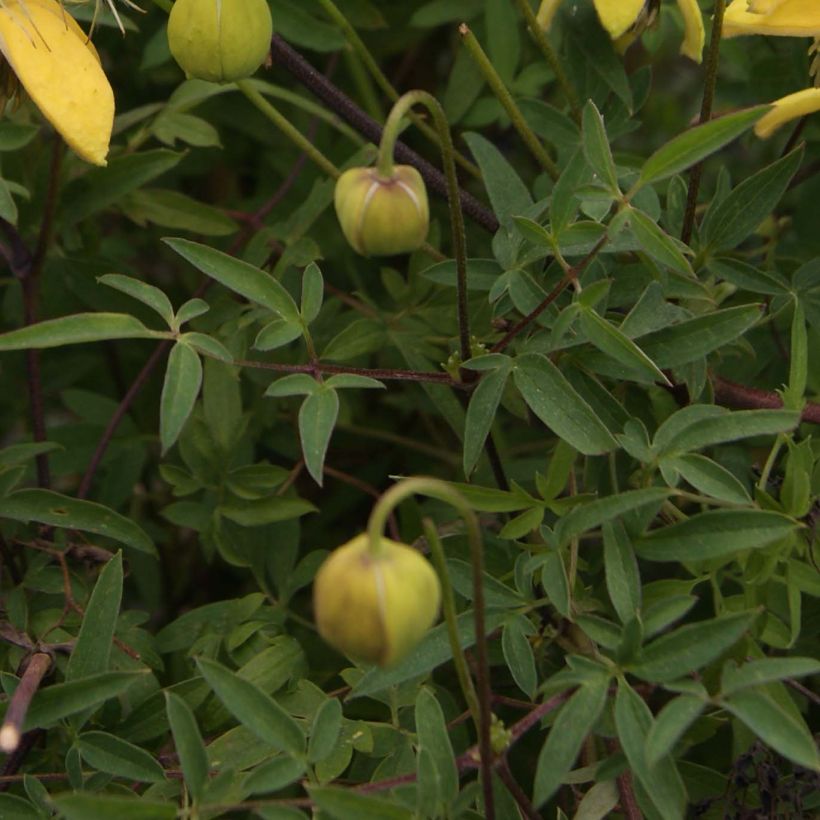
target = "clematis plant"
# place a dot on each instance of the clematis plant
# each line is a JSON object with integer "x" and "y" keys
{"x": 60, "y": 69}
{"x": 780, "y": 18}
{"x": 625, "y": 20}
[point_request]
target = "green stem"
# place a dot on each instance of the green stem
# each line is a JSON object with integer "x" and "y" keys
{"x": 289, "y": 130}
{"x": 448, "y": 605}
{"x": 385, "y": 169}
{"x": 435, "y": 488}
{"x": 710, "y": 83}
{"x": 505, "y": 98}
{"x": 540, "y": 37}
{"x": 356, "y": 42}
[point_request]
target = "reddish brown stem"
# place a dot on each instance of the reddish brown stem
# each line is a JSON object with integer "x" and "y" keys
{"x": 12, "y": 728}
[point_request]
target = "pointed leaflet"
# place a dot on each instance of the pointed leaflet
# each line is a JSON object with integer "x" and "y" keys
{"x": 481, "y": 413}
{"x": 253, "y": 708}
{"x": 76, "y": 329}
{"x": 246, "y": 280}
{"x": 317, "y": 418}
{"x": 670, "y": 724}
{"x": 92, "y": 649}
{"x": 569, "y": 731}
{"x": 183, "y": 378}
{"x": 596, "y": 148}
{"x": 116, "y": 756}
{"x": 145, "y": 293}
{"x": 431, "y": 730}
{"x": 553, "y": 399}
{"x": 188, "y": 742}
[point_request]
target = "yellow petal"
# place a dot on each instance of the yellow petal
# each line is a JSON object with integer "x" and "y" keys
{"x": 546, "y": 11}
{"x": 51, "y": 57}
{"x": 618, "y": 16}
{"x": 786, "y": 109}
{"x": 694, "y": 36}
{"x": 789, "y": 18}
{"x": 763, "y": 6}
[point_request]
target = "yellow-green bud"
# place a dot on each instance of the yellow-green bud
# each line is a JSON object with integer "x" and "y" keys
{"x": 375, "y": 608}
{"x": 219, "y": 40}
{"x": 382, "y": 216}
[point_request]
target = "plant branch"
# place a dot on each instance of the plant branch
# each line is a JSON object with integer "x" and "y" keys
{"x": 519, "y": 795}
{"x": 288, "y": 58}
{"x": 710, "y": 83}
{"x": 739, "y": 396}
{"x": 12, "y": 729}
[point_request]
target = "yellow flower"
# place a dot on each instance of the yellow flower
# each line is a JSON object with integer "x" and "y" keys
{"x": 60, "y": 70}
{"x": 783, "y": 18}
{"x": 625, "y": 19}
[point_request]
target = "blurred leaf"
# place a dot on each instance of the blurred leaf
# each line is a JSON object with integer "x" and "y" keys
{"x": 56, "y": 510}
{"x": 85, "y": 806}
{"x": 345, "y": 804}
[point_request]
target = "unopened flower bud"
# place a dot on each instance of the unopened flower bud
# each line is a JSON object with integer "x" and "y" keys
{"x": 375, "y": 607}
{"x": 219, "y": 40}
{"x": 382, "y": 216}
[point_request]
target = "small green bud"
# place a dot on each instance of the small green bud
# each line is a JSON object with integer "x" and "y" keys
{"x": 219, "y": 40}
{"x": 375, "y": 608}
{"x": 382, "y": 216}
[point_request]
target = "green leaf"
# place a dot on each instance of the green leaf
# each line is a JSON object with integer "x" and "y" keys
{"x": 671, "y": 723}
{"x": 15, "y": 808}
{"x": 112, "y": 754}
{"x": 142, "y": 291}
{"x": 481, "y": 413}
{"x": 690, "y": 648}
{"x": 715, "y": 534}
{"x": 432, "y": 735}
{"x": 296, "y": 384}
{"x": 722, "y": 426}
{"x": 57, "y": 510}
{"x": 270, "y": 510}
{"x": 574, "y": 722}
{"x": 623, "y": 581}
{"x": 661, "y": 781}
{"x": 76, "y": 329}
{"x": 345, "y": 804}
{"x": 709, "y": 477}
{"x": 253, "y": 708}
{"x": 519, "y": 656}
{"x": 100, "y": 188}
{"x": 188, "y": 742}
{"x": 657, "y": 243}
{"x": 53, "y": 703}
{"x": 274, "y": 775}
{"x": 346, "y": 381}
{"x": 508, "y": 194}
{"x": 765, "y": 670}
{"x": 588, "y": 516}
{"x": 693, "y": 339}
{"x": 433, "y": 650}
{"x": 190, "y": 310}
{"x": 87, "y": 806}
{"x": 324, "y": 734}
{"x": 312, "y": 292}
{"x": 733, "y": 218}
{"x": 177, "y": 211}
{"x": 481, "y": 274}
{"x": 92, "y": 649}
{"x": 317, "y": 418}
{"x": 207, "y": 345}
{"x": 696, "y": 144}
{"x": 596, "y": 147}
{"x": 615, "y": 344}
{"x": 277, "y": 334}
{"x": 553, "y": 399}
{"x": 183, "y": 378}
{"x": 246, "y": 280}
{"x": 783, "y": 731}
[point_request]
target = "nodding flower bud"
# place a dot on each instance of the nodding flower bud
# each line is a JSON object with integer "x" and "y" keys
{"x": 375, "y": 607}
{"x": 382, "y": 215}
{"x": 219, "y": 40}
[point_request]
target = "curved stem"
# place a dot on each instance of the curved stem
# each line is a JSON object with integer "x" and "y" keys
{"x": 435, "y": 488}
{"x": 385, "y": 169}
{"x": 448, "y": 605}
{"x": 356, "y": 42}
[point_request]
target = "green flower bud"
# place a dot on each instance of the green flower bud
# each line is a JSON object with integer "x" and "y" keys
{"x": 382, "y": 216}
{"x": 219, "y": 40}
{"x": 375, "y": 608}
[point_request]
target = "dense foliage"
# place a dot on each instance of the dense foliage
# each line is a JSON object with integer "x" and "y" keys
{"x": 205, "y": 390}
